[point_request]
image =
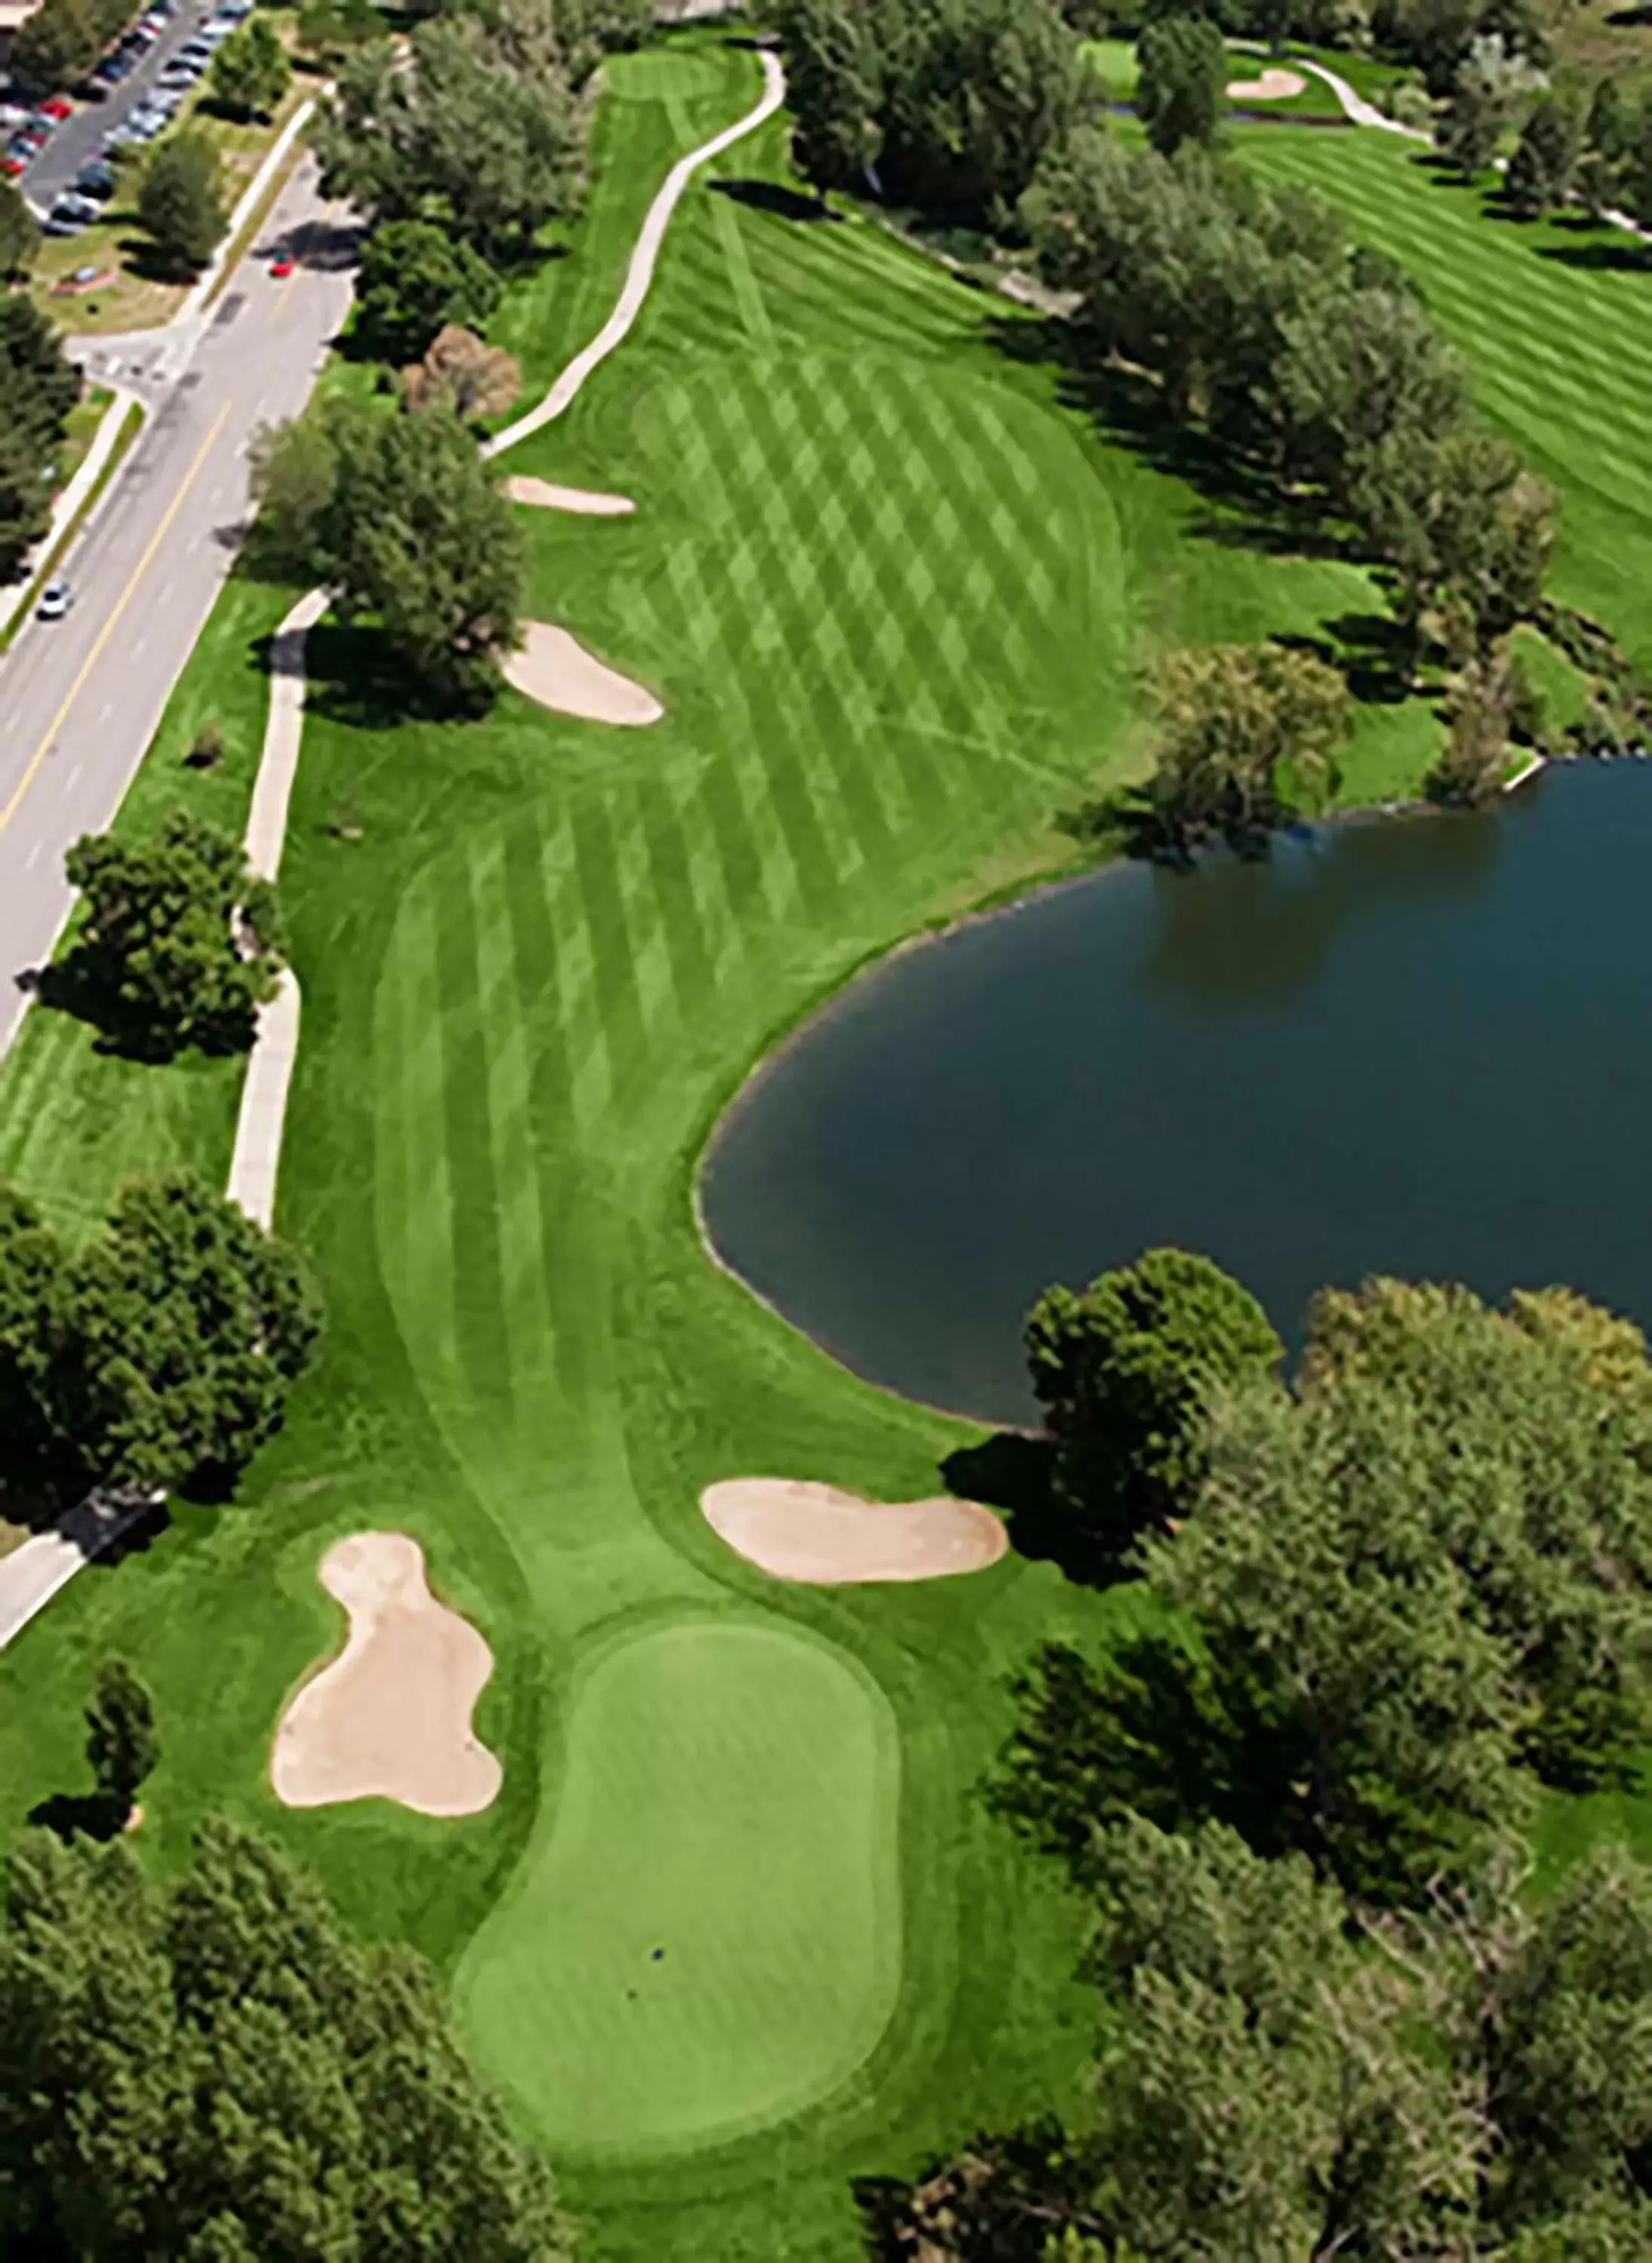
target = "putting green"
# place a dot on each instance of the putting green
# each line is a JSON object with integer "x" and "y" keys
{"x": 705, "y": 1935}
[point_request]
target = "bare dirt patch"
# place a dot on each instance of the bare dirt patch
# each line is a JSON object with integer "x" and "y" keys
{"x": 588, "y": 502}
{"x": 794, "y": 1529}
{"x": 555, "y": 669}
{"x": 389, "y": 1717}
{"x": 1272, "y": 86}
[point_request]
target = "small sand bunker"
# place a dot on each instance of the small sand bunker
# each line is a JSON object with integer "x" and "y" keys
{"x": 589, "y": 503}
{"x": 796, "y": 1529}
{"x": 555, "y": 669}
{"x": 1272, "y": 86}
{"x": 389, "y": 1718}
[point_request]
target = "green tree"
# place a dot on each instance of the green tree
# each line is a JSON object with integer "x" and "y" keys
{"x": 33, "y": 1292}
{"x": 834, "y": 87}
{"x": 1181, "y": 92}
{"x": 406, "y": 521}
{"x": 56, "y": 46}
{"x": 454, "y": 131}
{"x": 39, "y": 386}
{"x": 1492, "y": 80}
{"x": 974, "y": 95}
{"x": 251, "y": 74}
{"x": 1460, "y": 521}
{"x": 414, "y": 279}
{"x": 180, "y": 203}
{"x": 1380, "y": 372}
{"x": 214, "y": 2067}
{"x": 1246, "y": 732}
{"x": 180, "y": 944}
{"x": 1473, "y": 2081}
{"x": 20, "y": 238}
{"x": 121, "y": 1739}
{"x": 1479, "y": 715}
{"x": 1541, "y": 169}
{"x": 329, "y": 29}
{"x": 1122, "y": 1369}
{"x": 1406, "y": 1595}
{"x": 186, "y": 1325}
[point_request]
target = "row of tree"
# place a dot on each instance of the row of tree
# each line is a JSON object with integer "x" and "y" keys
{"x": 38, "y": 388}
{"x": 946, "y": 105}
{"x": 1384, "y": 1607}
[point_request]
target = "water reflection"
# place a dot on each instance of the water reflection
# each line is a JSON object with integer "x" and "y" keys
{"x": 1417, "y": 1047}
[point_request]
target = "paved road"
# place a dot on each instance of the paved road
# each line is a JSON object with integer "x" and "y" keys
{"x": 80, "y": 137}
{"x": 80, "y": 698}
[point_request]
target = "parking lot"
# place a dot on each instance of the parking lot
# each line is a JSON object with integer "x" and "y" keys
{"x": 143, "y": 82}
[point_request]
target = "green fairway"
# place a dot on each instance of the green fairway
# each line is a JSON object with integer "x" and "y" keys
{"x": 705, "y": 1935}
{"x": 895, "y": 589}
{"x": 1555, "y": 321}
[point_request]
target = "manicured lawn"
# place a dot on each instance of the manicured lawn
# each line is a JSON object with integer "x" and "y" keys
{"x": 75, "y": 1120}
{"x": 894, "y": 587}
{"x": 706, "y": 1933}
{"x": 1556, "y": 322}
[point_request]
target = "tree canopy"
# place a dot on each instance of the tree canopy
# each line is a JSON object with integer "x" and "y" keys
{"x": 1406, "y": 1594}
{"x": 159, "y": 1354}
{"x": 19, "y": 238}
{"x": 1182, "y": 90}
{"x": 178, "y": 945}
{"x": 181, "y": 202}
{"x": 1123, "y": 1370}
{"x": 1474, "y": 2080}
{"x": 1247, "y": 733}
{"x": 955, "y": 102}
{"x": 214, "y": 2069}
{"x": 458, "y": 131}
{"x": 120, "y": 1740}
{"x": 415, "y": 280}
{"x": 39, "y": 386}
{"x": 251, "y": 74}
{"x": 405, "y": 521}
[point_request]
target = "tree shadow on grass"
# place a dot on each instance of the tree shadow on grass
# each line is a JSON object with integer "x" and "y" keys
{"x": 1249, "y": 509}
{"x": 86, "y": 986}
{"x": 81, "y": 1814}
{"x": 357, "y": 678}
{"x": 1625, "y": 256}
{"x": 780, "y": 203}
{"x": 1014, "y": 1472}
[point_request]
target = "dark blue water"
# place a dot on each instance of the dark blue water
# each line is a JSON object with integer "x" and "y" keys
{"x": 1420, "y": 1046}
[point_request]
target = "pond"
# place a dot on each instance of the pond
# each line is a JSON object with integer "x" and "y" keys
{"x": 1416, "y": 1045}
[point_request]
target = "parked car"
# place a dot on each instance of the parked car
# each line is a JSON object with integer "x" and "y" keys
{"x": 56, "y": 600}
{"x": 11, "y": 166}
{"x": 97, "y": 180}
{"x": 57, "y": 107}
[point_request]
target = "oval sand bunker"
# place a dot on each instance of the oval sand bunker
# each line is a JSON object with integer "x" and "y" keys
{"x": 1272, "y": 86}
{"x": 796, "y": 1529}
{"x": 588, "y": 502}
{"x": 555, "y": 669}
{"x": 389, "y": 1718}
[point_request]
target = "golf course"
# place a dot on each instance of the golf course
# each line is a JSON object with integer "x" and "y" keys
{"x": 738, "y": 1928}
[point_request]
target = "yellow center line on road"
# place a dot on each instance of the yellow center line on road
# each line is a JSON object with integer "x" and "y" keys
{"x": 109, "y": 626}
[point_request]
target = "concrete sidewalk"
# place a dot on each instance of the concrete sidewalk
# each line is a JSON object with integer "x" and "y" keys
{"x": 67, "y": 507}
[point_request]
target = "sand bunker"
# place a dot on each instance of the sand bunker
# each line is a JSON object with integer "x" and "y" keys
{"x": 555, "y": 669}
{"x": 799, "y": 1530}
{"x": 589, "y": 503}
{"x": 390, "y": 1718}
{"x": 1272, "y": 86}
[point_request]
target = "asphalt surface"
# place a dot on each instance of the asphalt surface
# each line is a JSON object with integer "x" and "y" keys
{"x": 80, "y": 697}
{"x": 79, "y": 138}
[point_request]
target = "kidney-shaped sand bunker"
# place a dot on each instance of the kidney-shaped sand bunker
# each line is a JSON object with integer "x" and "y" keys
{"x": 797, "y": 1530}
{"x": 389, "y": 1717}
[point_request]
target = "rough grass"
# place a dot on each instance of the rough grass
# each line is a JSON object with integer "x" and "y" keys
{"x": 893, "y": 584}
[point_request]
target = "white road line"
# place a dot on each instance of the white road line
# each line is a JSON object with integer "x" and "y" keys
{"x": 106, "y": 710}
{"x": 30, "y": 861}
{"x": 73, "y": 779}
{"x": 138, "y": 646}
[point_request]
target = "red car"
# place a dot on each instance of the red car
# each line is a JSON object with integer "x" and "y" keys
{"x": 281, "y": 268}
{"x": 12, "y": 167}
{"x": 59, "y": 107}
